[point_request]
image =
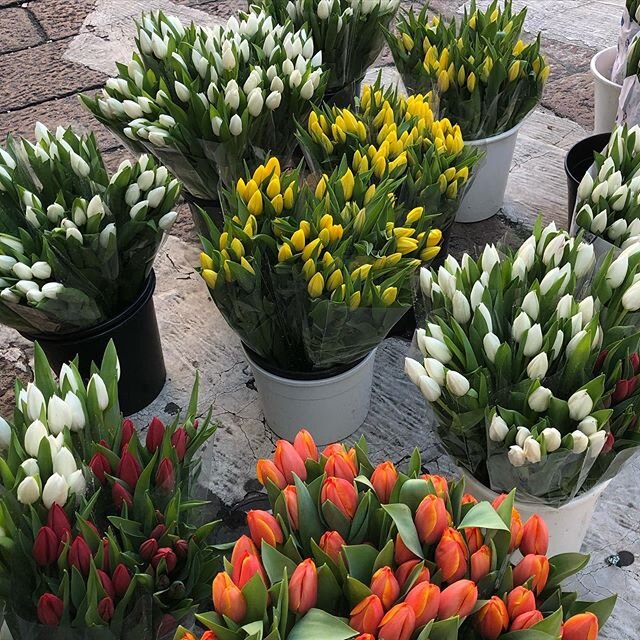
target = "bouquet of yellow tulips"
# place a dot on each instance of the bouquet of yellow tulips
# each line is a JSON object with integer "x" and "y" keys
{"x": 312, "y": 277}
{"x": 484, "y": 77}
{"x": 395, "y": 137}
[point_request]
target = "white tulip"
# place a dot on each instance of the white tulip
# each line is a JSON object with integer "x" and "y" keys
{"x": 490, "y": 258}
{"x": 617, "y": 272}
{"x": 132, "y": 109}
{"x": 614, "y": 181}
{"x": 596, "y": 443}
{"x": 498, "y": 429}
{"x": 77, "y": 483}
{"x": 30, "y": 467}
{"x": 28, "y": 490}
{"x": 576, "y": 323}
{"x": 58, "y": 415}
{"x": 437, "y": 349}
{"x": 35, "y": 402}
{"x": 41, "y": 270}
{"x": 485, "y": 313}
{"x": 461, "y": 308}
{"x": 79, "y": 165}
{"x": 426, "y": 281}
{"x": 585, "y": 216}
{"x": 182, "y": 91}
{"x": 132, "y": 194}
{"x": 429, "y": 388}
{"x": 232, "y": 96}
{"x": 538, "y": 367}
{"x": 531, "y": 305}
{"x": 554, "y": 250}
{"x": 533, "y": 343}
{"x": 527, "y": 252}
{"x": 585, "y": 187}
{"x": 156, "y": 196}
{"x": 631, "y": 297}
{"x": 64, "y": 463}
{"x": 24, "y": 286}
{"x": 166, "y": 222}
{"x": 532, "y": 450}
{"x": 235, "y": 125}
{"x": 608, "y": 166}
{"x": 67, "y": 375}
{"x": 414, "y": 370}
{"x": 435, "y": 331}
{"x": 588, "y": 425}
{"x": 549, "y": 280}
{"x": 521, "y": 324}
{"x": 7, "y": 263}
{"x": 447, "y": 282}
{"x": 323, "y": 9}
{"x": 619, "y": 198}
{"x": 5, "y": 434}
{"x": 435, "y": 369}
{"x": 457, "y": 384}
{"x": 255, "y": 102}
{"x": 56, "y": 491}
{"x": 96, "y": 383}
{"x": 484, "y": 279}
{"x": 552, "y": 439}
{"x": 539, "y": 399}
{"x": 587, "y": 308}
{"x": 55, "y": 442}
{"x": 599, "y": 223}
{"x": 75, "y": 235}
{"x": 617, "y": 230}
{"x": 522, "y": 433}
{"x": 516, "y": 456}
{"x": 518, "y": 270}
{"x": 549, "y": 229}
{"x": 580, "y": 405}
{"x": 22, "y": 271}
{"x": 78, "y": 419}
{"x": 451, "y": 264}
{"x": 600, "y": 191}
{"x": 476, "y": 294}
{"x": 307, "y": 90}
{"x": 139, "y": 211}
{"x": 580, "y": 442}
{"x": 565, "y": 307}
{"x": 491, "y": 344}
{"x": 52, "y": 290}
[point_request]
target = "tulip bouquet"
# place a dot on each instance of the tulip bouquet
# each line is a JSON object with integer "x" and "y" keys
{"x": 534, "y": 387}
{"x": 608, "y": 203}
{"x": 626, "y": 40}
{"x": 348, "y": 32}
{"x": 314, "y": 278}
{"x": 395, "y": 137}
{"x": 205, "y": 101}
{"x": 354, "y": 550}
{"x": 482, "y": 75}
{"x": 76, "y": 246}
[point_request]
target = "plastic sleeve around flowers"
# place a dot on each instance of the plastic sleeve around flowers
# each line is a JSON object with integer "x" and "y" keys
{"x": 628, "y": 32}
{"x": 629, "y": 102}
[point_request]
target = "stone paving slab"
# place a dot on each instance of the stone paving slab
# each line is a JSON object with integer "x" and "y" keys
{"x": 60, "y": 19}
{"x": 18, "y": 30}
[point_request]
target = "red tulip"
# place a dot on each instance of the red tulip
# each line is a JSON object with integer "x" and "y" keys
{"x": 424, "y": 599}
{"x": 458, "y": 599}
{"x": 158, "y": 531}
{"x": 105, "y": 554}
{"x": 45, "y": 547}
{"x": 398, "y": 624}
{"x": 342, "y": 494}
{"x": 439, "y": 483}
{"x": 246, "y": 568}
{"x": 634, "y": 359}
{"x": 155, "y": 435}
{"x": 106, "y": 608}
{"x": 406, "y": 569}
{"x": 120, "y": 496}
{"x": 228, "y": 599}
{"x": 535, "y": 537}
{"x": 467, "y": 498}
{"x": 289, "y": 462}
{"x": 532, "y": 566}
{"x": 383, "y": 479}
{"x": 50, "y": 609}
{"x": 148, "y": 549}
{"x": 266, "y": 470}
{"x": 58, "y": 521}
{"x": 520, "y": 600}
{"x": 621, "y": 392}
{"x": 480, "y": 563}
{"x": 126, "y": 433}
{"x": 474, "y": 538}
{"x": 106, "y": 583}
{"x": 291, "y": 501}
{"x": 303, "y": 587}
{"x": 169, "y": 557}
{"x": 340, "y": 465}
{"x": 332, "y": 544}
{"x": 367, "y": 615}
{"x": 305, "y": 445}
{"x": 121, "y": 580}
{"x": 582, "y": 626}
{"x": 80, "y": 556}
{"x": 129, "y": 469}
{"x": 385, "y": 585}
{"x": 431, "y": 519}
{"x": 208, "y": 635}
{"x": 401, "y": 553}
{"x": 492, "y": 619}
{"x": 602, "y": 356}
{"x": 263, "y": 526}
{"x": 608, "y": 443}
{"x": 181, "y": 548}
{"x": 180, "y": 440}
{"x": 526, "y": 620}
{"x": 99, "y": 465}
{"x": 243, "y": 546}
{"x": 452, "y": 555}
{"x": 165, "y": 476}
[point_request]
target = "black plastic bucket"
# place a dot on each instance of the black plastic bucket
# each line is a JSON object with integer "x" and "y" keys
{"x": 344, "y": 97}
{"x": 577, "y": 163}
{"x": 137, "y": 340}
{"x": 213, "y": 209}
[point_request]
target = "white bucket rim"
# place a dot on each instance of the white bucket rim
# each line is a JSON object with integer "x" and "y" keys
{"x": 500, "y": 136}
{"x": 596, "y": 73}
{"x": 320, "y": 382}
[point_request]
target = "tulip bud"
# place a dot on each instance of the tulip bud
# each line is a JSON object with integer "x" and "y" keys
{"x": 126, "y": 432}
{"x": 58, "y": 415}
{"x": 431, "y": 519}
{"x": 552, "y": 439}
{"x": 228, "y": 600}
{"x": 532, "y": 450}
{"x": 597, "y": 442}
{"x": 180, "y": 441}
{"x": 366, "y": 616}
{"x": 383, "y": 479}
{"x": 498, "y": 429}
{"x": 100, "y": 466}
{"x": 538, "y": 367}
{"x": 457, "y": 384}
{"x": 582, "y": 626}
{"x": 50, "y": 609}
{"x": 120, "y": 496}
{"x": 155, "y": 435}
{"x": 245, "y": 567}
{"x": 492, "y": 619}
{"x": 289, "y": 462}
{"x": 399, "y": 623}
{"x": 491, "y": 344}
{"x": 165, "y": 479}
{"x": 45, "y": 547}
{"x": 35, "y": 402}
{"x": 480, "y": 563}
{"x": 535, "y": 537}
{"x": 458, "y": 599}
{"x": 489, "y": 258}
{"x": 533, "y": 342}
{"x": 520, "y": 600}
{"x": 585, "y": 187}
{"x": 461, "y": 308}
{"x": 303, "y": 587}
{"x": 526, "y": 620}
{"x": 385, "y": 585}
{"x": 521, "y": 324}
{"x": 404, "y": 571}
{"x": 580, "y": 405}
{"x": 168, "y": 556}
{"x": 78, "y": 419}
{"x": 266, "y": 470}
{"x": 80, "y": 556}
{"x": 532, "y": 566}
{"x": 28, "y": 491}
{"x": 414, "y": 370}
{"x": 129, "y": 469}
{"x": 332, "y": 544}
{"x": 424, "y": 599}
{"x": 56, "y": 491}
{"x": 341, "y": 465}
{"x": 305, "y": 445}
{"x": 121, "y": 579}
{"x": 617, "y": 272}
{"x": 631, "y": 297}
{"x": 33, "y": 436}
{"x": 106, "y": 583}
{"x": 539, "y": 399}
{"x": 97, "y": 383}
{"x": 437, "y": 349}
{"x": 580, "y": 442}
{"x": 64, "y": 463}
{"x": 451, "y": 555}
{"x": 290, "y": 496}
{"x": 263, "y": 526}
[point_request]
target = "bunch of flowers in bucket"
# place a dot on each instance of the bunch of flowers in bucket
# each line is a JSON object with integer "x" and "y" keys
{"x": 608, "y": 203}
{"x": 354, "y": 550}
{"x": 629, "y": 31}
{"x": 94, "y": 544}
{"x": 395, "y": 136}
{"x": 312, "y": 278}
{"x": 482, "y": 75}
{"x": 76, "y": 245}
{"x": 348, "y": 32}
{"x": 534, "y": 387}
{"x": 206, "y": 100}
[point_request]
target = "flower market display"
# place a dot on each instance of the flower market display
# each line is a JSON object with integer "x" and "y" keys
{"x": 531, "y": 361}
{"x": 353, "y": 550}
{"x": 348, "y": 32}
{"x": 206, "y": 100}
{"x": 99, "y": 537}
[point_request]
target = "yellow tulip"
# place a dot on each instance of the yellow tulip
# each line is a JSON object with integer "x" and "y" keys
{"x": 518, "y": 48}
{"x": 462, "y": 76}
{"x": 272, "y": 168}
{"x": 354, "y": 300}
{"x": 339, "y": 294}
{"x": 288, "y": 198}
{"x": 336, "y": 231}
{"x": 335, "y": 280}
{"x": 379, "y": 166}
{"x": 463, "y": 174}
{"x": 414, "y": 215}
{"x": 255, "y": 206}
{"x": 250, "y": 189}
{"x": 308, "y": 269}
{"x": 494, "y": 15}
{"x": 327, "y": 259}
{"x": 443, "y": 81}
{"x": 348, "y": 184}
{"x": 362, "y": 131}
{"x": 429, "y": 253}
{"x": 259, "y": 175}
{"x": 224, "y": 239}
{"x": 240, "y": 188}
{"x": 487, "y": 66}
{"x": 278, "y": 204}
{"x": 237, "y": 247}
{"x": 369, "y": 194}
{"x": 442, "y": 183}
{"x": 308, "y": 251}
{"x": 298, "y": 240}
{"x": 324, "y": 236}
{"x": 225, "y": 254}
{"x": 251, "y": 227}
{"x": 514, "y": 71}
{"x": 380, "y": 263}
{"x": 471, "y": 82}
{"x": 362, "y": 271}
{"x": 273, "y": 188}
{"x": 450, "y": 174}
{"x": 389, "y": 295}
{"x": 284, "y": 253}
{"x": 306, "y": 228}
{"x": 206, "y": 261}
{"x": 403, "y": 232}
{"x": 244, "y": 263}
{"x": 393, "y": 259}
{"x": 228, "y": 276}
{"x": 426, "y": 44}
{"x": 326, "y": 221}
{"x": 359, "y": 220}
{"x": 407, "y": 42}
{"x": 444, "y": 58}
{"x": 365, "y": 100}
{"x": 544, "y": 74}
{"x": 407, "y": 245}
{"x": 452, "y": 190}
{"x": 473, "y": 21}
{"x": 399, "y": 163}
{"x": 435, "y": 236}
{"x": 210, "y": 277}
{"x": 316, "y": 285}
{"x": 339, "y": 135}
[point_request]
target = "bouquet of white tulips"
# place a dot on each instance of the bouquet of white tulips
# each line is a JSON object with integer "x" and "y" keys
{"x": 348, "y": 32}
{"x": 629, "y": 32}
{"x": 608, "y": 203}
{"x": 76, "y": 245}
{"x": 207, "y": 100}
{"x": 530, "y": 361}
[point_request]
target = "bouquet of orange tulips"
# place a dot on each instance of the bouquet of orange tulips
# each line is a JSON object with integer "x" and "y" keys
{"x": 353, "y": 550}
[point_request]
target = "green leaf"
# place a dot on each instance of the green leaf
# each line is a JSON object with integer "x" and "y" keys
{"x": 564, "y": 565}
{"x": 319, "y": 625}
{"x": 361, "y": 559}
{"x": 403, "y": 519}
{"x": 445, "y": 629}
{"x": 602, "y": 608}
{"x": 310, "y": 524}
{"x": 255, "y": 593}
{"x": 414, "y": 490}
{"x": 551, "y": 624}
{"x": 275, "y": 563}
{"x": 528, "y": 634}
{"x": 483, "y": 515}
{"x": 43, "y": 376}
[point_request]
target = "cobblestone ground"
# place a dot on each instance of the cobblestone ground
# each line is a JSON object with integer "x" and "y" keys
{"x": 53, "y": 50}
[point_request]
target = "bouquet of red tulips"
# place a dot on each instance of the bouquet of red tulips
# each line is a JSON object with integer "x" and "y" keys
{"x": 353, "y": 550}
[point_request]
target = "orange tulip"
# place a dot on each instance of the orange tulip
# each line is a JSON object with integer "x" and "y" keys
{"x": 366, "y": 636}
{"x": 263, "y": 526}
{"x": 303, "y": 587}
{"x": 341, "y": 465}
{"x": 291, "y": 501}
{"x": 398, "y": 623}
{"x": 431, "y": 519}
{"x": 228, "y": 599}
{"x": 474, "y": 538}
{"x": 583, "y": 626}
{"x": 406, "y": 568}
{"x": 452, "y": 555}
{"x": 266, "y": 470}
{"x": 188, "y": 636}
{"x": 401, "y": 552}
{"x": 383, "y": 479}
{"x": 459, "y": 599}
{"x": 243, "y": 546}
{"x": 467, "y": 498}
{"x": 517, "y": 528}
{"x": 535, "y": 537}
{"x": 305, "y": 445}
{"x": 385, "y": 585}
{"x": 330, "y": 449}
{"x": 289, "y": 462}
{"x": 246, "y": 568}
{"x": 367, "y": 615}
{"x": 209, "y": 635}
{"x": 532, "y": 566}
{"x": 342, "y": 494}
{"x": 520, "y": 600}
{"x": 424, "y": 599}
{"x": 439, "y": 483}
{"x": 526, "y": 620}
{"x": 332, "y": 544}
{"x": 492, "y": 619}
{"x": 480, "y": 563}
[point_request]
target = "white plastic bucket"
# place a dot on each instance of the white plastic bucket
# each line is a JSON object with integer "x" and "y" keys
{"x": 606, "y": 92}
{"x": 567, "y": 524}
{"x": 330, "y": 408}
{"x": 485, "y": 196}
